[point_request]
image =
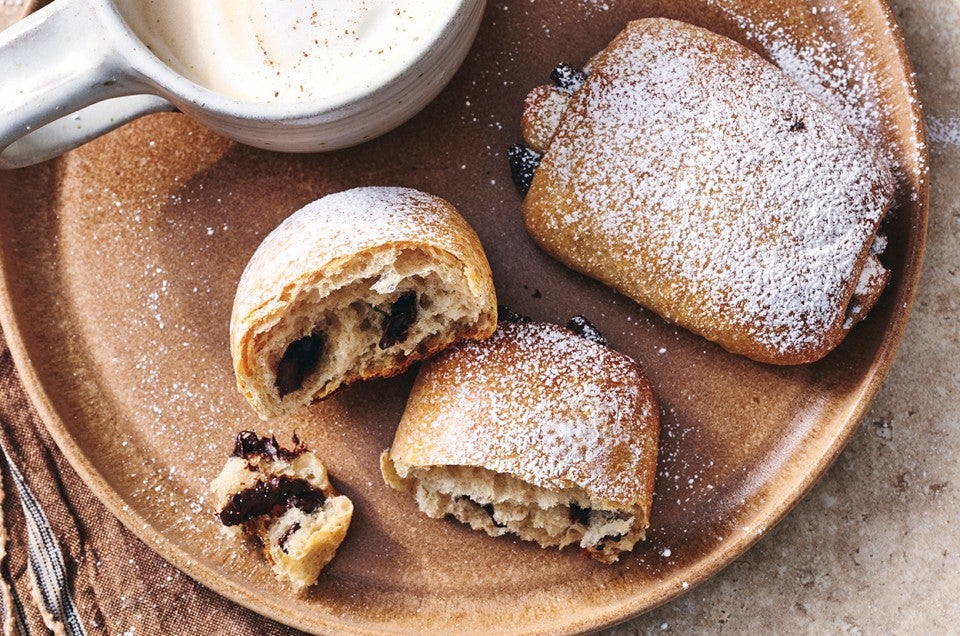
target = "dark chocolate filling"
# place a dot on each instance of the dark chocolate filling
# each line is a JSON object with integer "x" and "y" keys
{"x": 264, "y": 497}
{"x": 579, "y": 515}
{"x": 611, "y": 539}
{"x": 568, "y": 77}
{"x": 523, "y": 164}
{"x": 248, "y": 445}
{"x": 396, "y": 326}
{"x": 584, "y": 328}
{"x": 300, "y": 358}
{"x": 506, "y": 314}
{"x": 282, "y": 541}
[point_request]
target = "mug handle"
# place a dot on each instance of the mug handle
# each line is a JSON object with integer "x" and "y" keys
{"x": 65, "y": 83}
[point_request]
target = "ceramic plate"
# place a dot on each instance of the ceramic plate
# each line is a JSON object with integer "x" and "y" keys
{"x": 120, "y": 260}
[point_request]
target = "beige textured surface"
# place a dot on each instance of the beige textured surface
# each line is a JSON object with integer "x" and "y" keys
{"x": 875, "y": 547}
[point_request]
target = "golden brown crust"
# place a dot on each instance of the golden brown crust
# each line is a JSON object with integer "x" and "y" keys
{"x": 697, "y": 179}
{"x": 542, "y": 110}
{"x": 351, "y": 238}
{"x": 541, "y": 404}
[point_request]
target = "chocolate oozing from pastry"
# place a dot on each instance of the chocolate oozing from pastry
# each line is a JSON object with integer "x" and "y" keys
{"x": 506, "y": 314}
{"x": 249, "y": 445}
{"x": 568, "y": 77}
{"x": 396, "y": 325}
{"x": 584, "y": 328}
{"x": 579, "y": 515}
{"x": 264, "y": 497}
{"x": 282, "y": 541}
{"x": 523, "y": 165}
{"x": 611, "y": 539}
{"x": 300, "y": 358}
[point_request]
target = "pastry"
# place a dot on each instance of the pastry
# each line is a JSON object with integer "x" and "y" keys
{"x": 356, "y": 285}
{"x": 696, "y": 178}
{"x": 537, "y": 431}
{"x": 283, "y": 500}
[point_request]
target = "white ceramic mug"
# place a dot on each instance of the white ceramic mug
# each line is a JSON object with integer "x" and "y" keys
{"x": 75, "y": 70}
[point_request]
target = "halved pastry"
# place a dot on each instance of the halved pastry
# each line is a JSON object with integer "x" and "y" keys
{"x": 356, "y": 285}
{"x": 537, "y": 431}
{"x": 282, "y": 499}
{"x": 692, "y": 175}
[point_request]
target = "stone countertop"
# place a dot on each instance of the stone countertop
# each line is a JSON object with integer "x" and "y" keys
{"x": 875, "y": 547}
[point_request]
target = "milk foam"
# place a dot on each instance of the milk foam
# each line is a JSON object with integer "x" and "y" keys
{"x": 286, "y": 51}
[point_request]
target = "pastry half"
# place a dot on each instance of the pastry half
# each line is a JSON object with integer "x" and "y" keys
{"x": 356, "y": 285}
{"x": 282, "y": 499}
{"x": 693, "y": 176}
{"x": 536, "y": 431}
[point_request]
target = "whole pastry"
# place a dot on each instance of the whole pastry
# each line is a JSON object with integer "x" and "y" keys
{"x": 536, "y": 431}
{"x": 356, "y": 285}
{"x": 695, "y": 177}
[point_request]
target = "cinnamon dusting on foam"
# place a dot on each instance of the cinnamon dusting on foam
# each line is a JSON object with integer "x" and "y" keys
{"x": 289, "y": 51}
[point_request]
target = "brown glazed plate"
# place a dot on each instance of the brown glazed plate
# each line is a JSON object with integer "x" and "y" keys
{"x": 120, "y": 260}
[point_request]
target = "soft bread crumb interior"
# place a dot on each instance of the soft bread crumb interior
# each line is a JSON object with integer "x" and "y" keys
{"x": 300, "y": 544}
{"x": 498, "y": 503}
{"x": 349, "y": 317}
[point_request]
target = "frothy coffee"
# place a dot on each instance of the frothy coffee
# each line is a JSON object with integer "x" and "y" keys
{"x": 286, "y": 51}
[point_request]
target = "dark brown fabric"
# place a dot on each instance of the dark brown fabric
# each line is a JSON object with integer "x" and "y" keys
{"x": 120, "y": 586}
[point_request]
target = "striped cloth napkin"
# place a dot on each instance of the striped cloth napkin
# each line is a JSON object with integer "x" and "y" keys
{"x": 48, "y": 572}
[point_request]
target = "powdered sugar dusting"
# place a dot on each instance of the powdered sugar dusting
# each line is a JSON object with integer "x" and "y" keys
{"x": 839, "y": 72}
{"x": 944, "y": 131}
{"x": 817, "y": 67}
{"x": 731, "y": 193}
{"x": 540, "y": 403}
{"x": 344, "y": 224}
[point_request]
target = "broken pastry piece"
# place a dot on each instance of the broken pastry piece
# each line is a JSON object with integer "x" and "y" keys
{"x": 696, "y": 178}
{"x": 356, "y": 285}
{"x": 537, "y": 431}
{"x": 282, "y": 499}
